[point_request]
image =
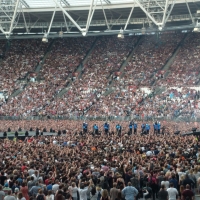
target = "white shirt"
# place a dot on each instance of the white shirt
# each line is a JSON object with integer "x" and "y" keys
{"x": 149, "y": 153}
{"x": 172, "y": 192}
{"x": 165, "y": 183}
{"x": 83, "y": 193}
{"x": 55, "y": 187}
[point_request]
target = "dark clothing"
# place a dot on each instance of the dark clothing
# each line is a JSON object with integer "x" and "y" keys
{"x": 188, "y": 181}
{"x": 135, "y": 182}
{"x": 187, "y": 194}
{"x": 2, "y": 180}
{"x": 162, "y": 195}
{"x": 127, "y": 178}
{"x": 175, "y": 182}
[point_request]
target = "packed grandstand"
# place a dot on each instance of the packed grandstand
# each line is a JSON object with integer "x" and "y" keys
{"x": 59, "y": 86}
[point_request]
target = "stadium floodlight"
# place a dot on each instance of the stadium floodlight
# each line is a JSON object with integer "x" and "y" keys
{"x": 84, "y": 33}
{"x": 61, "y": 34}
{"x": 120, "y": 34}
{"x": 197, "y": 27}
{"x": 45, "y": 39}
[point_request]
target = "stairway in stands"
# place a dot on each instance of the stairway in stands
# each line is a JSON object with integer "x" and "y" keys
{"x": 36, "y": 70}
{"x": 166, "y": 67}
{"x": 170, "y": 61}
{"x": 78, "y": 70}
{"x": 123, "y": 65}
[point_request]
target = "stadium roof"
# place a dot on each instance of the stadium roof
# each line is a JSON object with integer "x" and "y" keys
{"x": 34, "y": 18}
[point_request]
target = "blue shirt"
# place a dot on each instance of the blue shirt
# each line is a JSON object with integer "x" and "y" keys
{"x": 175, "y": 182}
{"x": 118, "y": 127}
{"x": 135, "y": 126}
{"x": 85, "y": 126}
{"x": 49, "y": 187}
{"x": 130, "y": 192}
{"x": 147, "y": 127}
{"x": 96, "y": 127}
{"x": 159, "y": 126}
{"x": 106, "y": 126}
{"x": 155, "y": 126}
{"x": 130, "y": 125}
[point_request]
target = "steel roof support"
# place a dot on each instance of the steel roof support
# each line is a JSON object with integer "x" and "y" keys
{"x": 67, "y": 14}
{"x": 146, "y": 12}
{"x": 24, "y": 3}
{"x": 164, "y": 14}
{"x": 129, "y": 18}
{"x": 189, "y": 11}
{"x": 107, "y": 1}
{"x": 65, "y": 23}
{"x": 105, "y": 16}
{"x": 169, "y": 13}
{"x": 1, "y": 29}
{"x": 65, "y": 2}
{"x": 27, "y": 30}
{"x": 51, "y": 21}
{"x": 13, "y": 18}
{"x": 34, "y": 24}
{"x": 89, "y": 16}
{"x": 115, "y": 22}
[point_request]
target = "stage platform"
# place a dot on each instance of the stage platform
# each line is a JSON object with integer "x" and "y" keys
{"x": 21, "y": 134}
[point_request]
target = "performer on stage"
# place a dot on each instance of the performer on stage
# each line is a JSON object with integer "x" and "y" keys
{"x": 155, "y": 127}
{"x": 95, "y": 129}
{"x": 130, "y": 127}
{"x": 118, "y": 129}
{"x": 143, "y": 128}
{"x": 106, "y": 127}
{"x": 135, "y": 127}
{"x": 147, "y": 128}
{"x": 85, "y": 127}
{"x": 159, "y": 126}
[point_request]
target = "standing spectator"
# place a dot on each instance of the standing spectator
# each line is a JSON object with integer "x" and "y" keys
{"x": 163, "y": 194}
{"x": 20, "y": 196}
{"x": 174, "y": 181}
{"x": 9, "y": 196}
{"x": 24, "y": 191}
{"x": 2, "y": 178}
{"x": 2, "y": 193}
{"x": 130, "y": 192}
{"x": 187, "y": 193}
{"x": 55, "y": 187}
{"x": 82, "y": 191}
{"x": 172, "y": 192}
{"x": 73, "y": 190}
{"x": 188, "y": 181}
{"x": 40, "y": 195}
{"x": 114, "y": 192}
{"x": 105, "y": 195}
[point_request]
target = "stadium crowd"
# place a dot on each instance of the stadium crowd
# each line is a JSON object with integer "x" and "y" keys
{"x": 93, "y": 167}
{"x": 101, "y": 73}
{"x": 22, "y": 57}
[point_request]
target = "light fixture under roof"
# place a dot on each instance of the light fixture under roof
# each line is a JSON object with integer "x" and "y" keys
{"x": 120, "y": 34}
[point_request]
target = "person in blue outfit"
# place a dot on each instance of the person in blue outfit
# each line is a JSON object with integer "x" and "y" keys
{"x": 147, "y": 128}
{"x": 155, "y": 127}
{"x": 143, "y": 128}
{"x": 135, "y": 127}
{"x": 95, "y": 129}
{"x": 159, "y": 126}
{"x": 130, "y": 127}
{"x": 106, "y": 127}
{"x": 130, "y": 192}
{"x": 118, "y": 129}
{"x": 85, "y": 127}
